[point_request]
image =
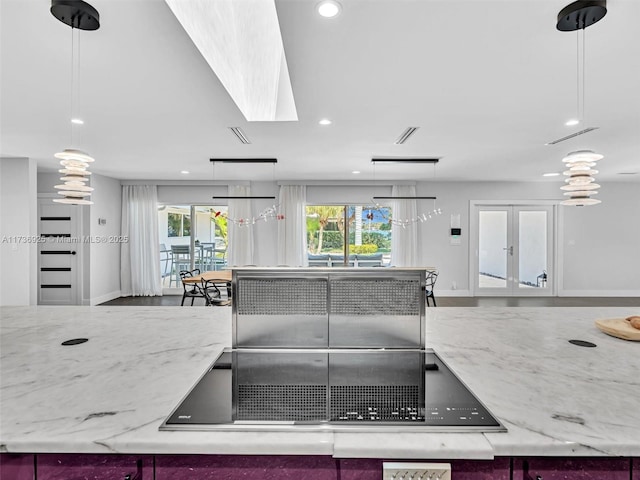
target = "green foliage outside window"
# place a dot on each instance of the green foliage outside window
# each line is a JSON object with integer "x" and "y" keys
{"x": 178, "y": 225}
{"x": 175, "y": 224}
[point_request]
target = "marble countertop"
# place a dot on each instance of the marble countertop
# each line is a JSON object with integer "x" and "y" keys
{"x": 110, "y": 394}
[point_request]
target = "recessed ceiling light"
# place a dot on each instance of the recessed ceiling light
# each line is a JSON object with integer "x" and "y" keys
{"x": 550, "y": 174}
{"x": 328, "y": 8}
{"x": 184, "y": 172}
{"x": 77, "y": 121}
{"x": 325, "y": 121}
{"x": 355, "y": 172}
{"x": 572, "y": 122}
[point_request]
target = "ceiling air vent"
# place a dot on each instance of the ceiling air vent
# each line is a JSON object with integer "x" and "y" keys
{"x": 405, "y": 135}
{"x": 581, "y": 132}
{"x": 237, "y": 131}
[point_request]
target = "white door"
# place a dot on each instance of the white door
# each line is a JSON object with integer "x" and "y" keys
{"x": 58, "y": 253}
{"x": 514, "y": 250}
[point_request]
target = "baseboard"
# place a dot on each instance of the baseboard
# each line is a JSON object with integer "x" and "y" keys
{"x": 452, "y": 293}
{"x": 105, "y": 298}
{"x": 599, "y": 293}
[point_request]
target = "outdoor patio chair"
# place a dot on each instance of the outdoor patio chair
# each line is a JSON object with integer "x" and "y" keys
{"x": 165, "y": 261}
{"x": 180, "y": 261}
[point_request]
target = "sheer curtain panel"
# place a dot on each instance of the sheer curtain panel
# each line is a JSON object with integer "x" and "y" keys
{"x": 240, "y": 250}
{"x": 140, "y": 256}
{"x": 404, "y": 240}
{"x": 292, "y": 231}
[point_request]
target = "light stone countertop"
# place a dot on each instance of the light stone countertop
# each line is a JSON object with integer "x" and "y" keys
{"x": 111, "y": 394}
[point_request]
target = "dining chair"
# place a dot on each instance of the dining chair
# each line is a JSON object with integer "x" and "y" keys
{"x": 430, "y": 282}
{"x": 207, "y": 290}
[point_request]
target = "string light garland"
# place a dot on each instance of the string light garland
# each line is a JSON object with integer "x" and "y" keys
{"x": 404, "y": 223}
{"x": 264, "y": 216}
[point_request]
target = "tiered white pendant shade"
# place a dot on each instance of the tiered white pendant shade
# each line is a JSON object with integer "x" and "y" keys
{"x": 75, "y": 163}
{"x": 580, "y": 184}
{"x": 72, "y": 154}
{"x": 583, "y": 156}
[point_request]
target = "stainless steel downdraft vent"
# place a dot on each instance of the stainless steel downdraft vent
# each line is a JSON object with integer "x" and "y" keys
{"x": 237, "y": 131}
{"x": 573, "y": 135}
{"x": 405, "y": 135}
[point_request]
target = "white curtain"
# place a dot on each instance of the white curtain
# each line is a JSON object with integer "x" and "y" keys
{"x": 140, "y": 256}
{"x": 240, "y": 249}
{"x": 292, "y": 231}
{"x": 404, "y": 240}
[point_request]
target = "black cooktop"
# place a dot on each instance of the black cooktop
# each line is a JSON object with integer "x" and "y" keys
{"x": 335, "y": 389}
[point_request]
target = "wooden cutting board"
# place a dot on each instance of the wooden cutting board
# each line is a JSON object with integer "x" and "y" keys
{"x": 619, "y": 327}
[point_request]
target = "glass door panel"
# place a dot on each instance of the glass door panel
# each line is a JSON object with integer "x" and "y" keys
{"x": 366, "y": 227}
{"x": 532, "y": 249}
{"x": 325, "y": 235}
{"x": 191, "y": 236}
{"x": 210, "y": 237}
{"x": 493, "y": 242}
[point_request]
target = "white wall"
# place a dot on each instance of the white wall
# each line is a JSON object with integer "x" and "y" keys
{"x": 598, "y": 245}
{"x": 18, "y": 218}
{"x": 104, "y": 277}
{"x": 601, "y": 243}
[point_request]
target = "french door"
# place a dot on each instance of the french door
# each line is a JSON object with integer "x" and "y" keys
{"x": 513, "y": 250}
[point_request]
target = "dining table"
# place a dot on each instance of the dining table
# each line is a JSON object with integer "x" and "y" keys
{"x": 214, "y": 276}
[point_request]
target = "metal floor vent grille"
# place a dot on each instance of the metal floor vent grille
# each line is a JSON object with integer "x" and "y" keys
{"x": 282, "y": 297}
{"x": 375, "y": 297}
{"x": 282, "y": 402}
{"x": 382, "y": 403}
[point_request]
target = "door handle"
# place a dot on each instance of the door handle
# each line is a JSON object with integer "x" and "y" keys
{"x": 510, "y": 249}
{"x": 73, "y": 252}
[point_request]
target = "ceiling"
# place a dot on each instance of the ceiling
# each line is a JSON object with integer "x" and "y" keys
{"x": 488, "y": 82}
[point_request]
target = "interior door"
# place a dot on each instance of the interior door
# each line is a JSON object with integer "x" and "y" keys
{"x": 58, "y": 253}
{"x": 514, "y": 250}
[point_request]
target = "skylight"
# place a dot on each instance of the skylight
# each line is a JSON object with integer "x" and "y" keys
{"x": 242, "y": 44}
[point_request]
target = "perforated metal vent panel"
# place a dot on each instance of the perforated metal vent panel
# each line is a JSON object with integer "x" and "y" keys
{"x": 375, "y": 297}
{"x": 282, "y": 402}
{"x": 393, "y": 403}
{"x": 285, "y": 296}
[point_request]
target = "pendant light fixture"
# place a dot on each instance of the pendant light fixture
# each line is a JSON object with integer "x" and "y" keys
{"x": 580, "y": 185}
{"x": 82, "y": 16}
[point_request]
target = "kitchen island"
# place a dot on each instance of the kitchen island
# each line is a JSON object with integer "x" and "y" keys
{"x": 110, "y": 394}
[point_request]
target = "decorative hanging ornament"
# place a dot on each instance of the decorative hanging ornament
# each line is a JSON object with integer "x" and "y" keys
{"x": 265, "y": 215}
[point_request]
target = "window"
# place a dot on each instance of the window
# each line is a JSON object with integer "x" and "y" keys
{"x": 178, "y": 225}
{"x": 366, "y": 227}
